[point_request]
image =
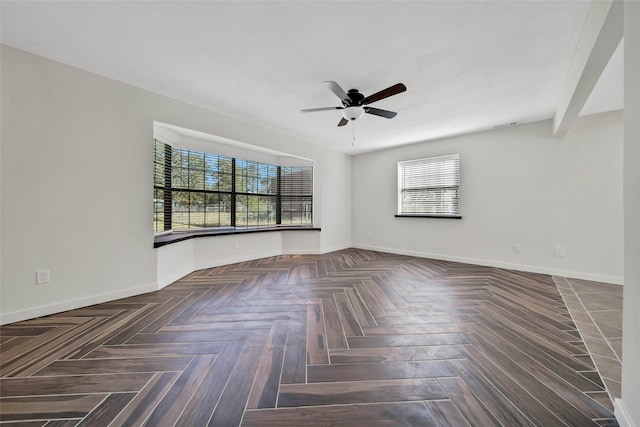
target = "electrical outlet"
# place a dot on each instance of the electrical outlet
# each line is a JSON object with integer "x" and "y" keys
{"x": 42, "y": 277}
{"x": 235, "y": 245}
{"x": 516, "y": 247}
{"x": 560, "y": 251}
{"x": 369, "y": 234}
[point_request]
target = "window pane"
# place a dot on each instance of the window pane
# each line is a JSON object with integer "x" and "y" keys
{"x": 429, "y": 186}
{"x": 217, "y": 210}
{"x": 297, "y": 210}
{"x": 196, "y": 210}
{"x": 159, "y": 163}
{"x": 158, "y": 210}
{"x": 180, "y": 177}
{"x": 196, "y": 171}
{"x": 296, "y": 180}
{"x": 180, "y": 210}
{"x": 241, "y": 210}
{"x": 198, "y": 191}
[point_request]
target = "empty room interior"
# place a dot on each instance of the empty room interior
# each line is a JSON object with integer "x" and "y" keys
{"x": 287, "y": 213}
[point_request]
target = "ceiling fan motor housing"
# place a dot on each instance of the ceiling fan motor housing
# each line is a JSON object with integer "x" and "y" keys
{"x": 354, "y": 97}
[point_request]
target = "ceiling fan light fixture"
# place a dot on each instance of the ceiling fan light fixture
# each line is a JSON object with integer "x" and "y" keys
{"x": 353, "y": 113}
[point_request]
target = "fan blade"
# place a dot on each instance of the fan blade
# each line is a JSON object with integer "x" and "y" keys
{"x": 385, "y": 93}
{"x": 335, "y": 88}
{"x": 382, "y": 113}
{"x": 343, "y": 122}
{"x": 310, "y": 110}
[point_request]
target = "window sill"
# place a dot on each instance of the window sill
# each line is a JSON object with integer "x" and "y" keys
{"x": 429, "y": 216}
{"x": 167, "y": 239}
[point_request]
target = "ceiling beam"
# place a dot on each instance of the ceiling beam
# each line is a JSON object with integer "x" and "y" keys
{"x": 600, "y": 37}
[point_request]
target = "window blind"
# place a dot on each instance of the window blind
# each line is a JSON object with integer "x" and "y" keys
{"x": 429, "y": 186}
{"x": 196, "y": 190}
{"x": 296, "y": 189}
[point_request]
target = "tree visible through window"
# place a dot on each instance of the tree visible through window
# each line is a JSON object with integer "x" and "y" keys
{"x": 197, "y": 190}
{"x": 429, "y": 187}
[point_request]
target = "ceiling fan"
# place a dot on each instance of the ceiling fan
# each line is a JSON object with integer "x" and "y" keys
{"x": 355, "y": 104}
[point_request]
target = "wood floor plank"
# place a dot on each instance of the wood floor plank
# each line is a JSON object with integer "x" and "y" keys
{"x": 199, "y": 301}
{"x": 352, "y": 337}
{"x": 549, "y": 394}
{"x": 518, "y": 391}
{"x": 490, "y": 396}
{"x": 317, "y": 351}
{"x": 373, "y": 306}
{"x": 61, "y": 346}
{"x": 433, "y": 328}
{"x": 543, "y": 355}
{"x": 266, "y": 385}
{"x": 294, "y": 369}
{"x": 48, "y": 407}
{"x": 360, "y": 309}
{"x": 378, "y": 371}
{"x": 200, "y": 408}
{"x": 227, "y": 324}
{"x": 336, "y": 337}
{"x": 348, "y": 317}
{"x": 447, "y": 414}
{"x": 172, "y": 405}
{"x": 381, "y": 297}
{"x": 160, "y": 350}
{"x": 191, "y": 336}
{"x": 107, "y": 410}
{"x": 344, "y": 392}
{"x": 402, "y": 414}
{"x": 171, "y": 311}
{"x": 114, "y": 366}
{"x": 395, "y": 354}
{"x": 115, "y": 330}
{"x": 26, "y": 347}
{"x": 408, "y": 340}
{"x": 74, "y": 384}
{"x": 231, "y": 405}
{"x": 146, "y": 400}
{"x": 63, "y": 423}
{"x": 467, "y": 402}
{"x": 559, "y": 338}
{"x": 23, "y": 330}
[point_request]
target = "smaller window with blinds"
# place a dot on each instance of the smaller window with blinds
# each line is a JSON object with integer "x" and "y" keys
{"x": 429, "y": 187}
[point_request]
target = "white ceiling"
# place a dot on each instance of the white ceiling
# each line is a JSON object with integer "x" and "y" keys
{"x": 468, "y": 65}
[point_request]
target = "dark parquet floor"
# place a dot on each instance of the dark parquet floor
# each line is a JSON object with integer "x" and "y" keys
{"x": 350, "y": 338}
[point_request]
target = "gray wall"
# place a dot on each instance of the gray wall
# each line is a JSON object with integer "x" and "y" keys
{"x": 518, "y": 186}
{"x": 76, "y": 187}
{"x": 630, "y": 404}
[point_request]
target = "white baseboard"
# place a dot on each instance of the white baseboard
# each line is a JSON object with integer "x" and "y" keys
{"x": 45, "y": 310}
{"x": 302, "y": 252}
{"x": 244, "y": 258}
{"x": 622, "y": 415}
{"x": 335, "y": 249}
{"x": 499, "y": 264}
{"x": 166, "y": 281}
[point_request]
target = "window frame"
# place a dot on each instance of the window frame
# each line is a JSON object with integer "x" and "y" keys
{"x": 439, "y": 182}
{"x": 264, "y": 192}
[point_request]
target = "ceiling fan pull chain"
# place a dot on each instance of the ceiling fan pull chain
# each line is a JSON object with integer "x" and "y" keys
{"x": 353, "y": 141}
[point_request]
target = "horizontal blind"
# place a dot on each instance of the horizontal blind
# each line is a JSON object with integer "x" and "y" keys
{"x": 197, "y": 190}
{"x": 429, "y": 186}
{"x": 296, "y": 190}
{"x": 296, "y": 180}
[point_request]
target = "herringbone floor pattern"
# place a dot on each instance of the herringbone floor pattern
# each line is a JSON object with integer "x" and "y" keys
{"x": 349, "y": 338}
